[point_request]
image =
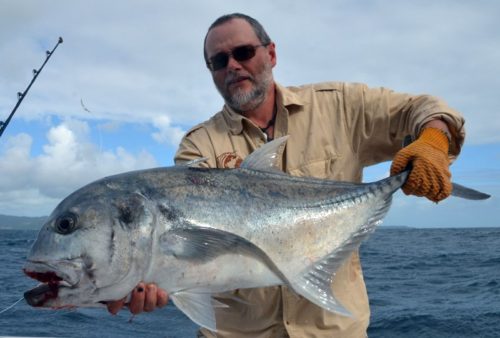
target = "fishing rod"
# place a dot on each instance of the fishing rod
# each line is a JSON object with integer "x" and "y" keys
{"x": 20, "y": 96}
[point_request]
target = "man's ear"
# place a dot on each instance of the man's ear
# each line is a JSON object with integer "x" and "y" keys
{"x": 272, "y": 53}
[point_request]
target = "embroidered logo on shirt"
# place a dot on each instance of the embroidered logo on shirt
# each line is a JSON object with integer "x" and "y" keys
{"x": 229, "y": 160}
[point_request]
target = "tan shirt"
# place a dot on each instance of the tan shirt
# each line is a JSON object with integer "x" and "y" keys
{"x": 335, "y": 129}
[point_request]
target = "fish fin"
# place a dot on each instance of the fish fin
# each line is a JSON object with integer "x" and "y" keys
{"x": 199, "y": 307}
{"x": 267, "y": 157}
{"x": 314, "y": 283}
{"x": 194, "y": 163}
{"x": 204, "y": 244}
{"x": 467, "y": 193}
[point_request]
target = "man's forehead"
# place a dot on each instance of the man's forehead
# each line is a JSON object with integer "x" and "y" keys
{"x": 235, "y": 32}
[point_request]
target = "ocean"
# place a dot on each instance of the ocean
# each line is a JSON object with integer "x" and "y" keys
{"x": 421, "y": 283}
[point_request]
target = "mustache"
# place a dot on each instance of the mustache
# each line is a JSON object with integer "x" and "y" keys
{"x": 235, "y": 77}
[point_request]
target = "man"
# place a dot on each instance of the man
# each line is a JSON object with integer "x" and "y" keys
{"x": 336, "y": 129}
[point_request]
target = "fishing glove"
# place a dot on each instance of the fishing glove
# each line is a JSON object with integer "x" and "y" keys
{"x": 428, "y": 155}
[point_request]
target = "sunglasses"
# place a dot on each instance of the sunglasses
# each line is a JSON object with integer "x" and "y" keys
{"x": 240, "y": 53}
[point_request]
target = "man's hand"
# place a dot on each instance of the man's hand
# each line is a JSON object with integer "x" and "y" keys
{"x": 428, "y": 155}
{"x": 144, "y": 298}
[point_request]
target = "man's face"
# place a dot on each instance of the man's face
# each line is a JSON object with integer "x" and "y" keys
{"x": 242, "y": 84}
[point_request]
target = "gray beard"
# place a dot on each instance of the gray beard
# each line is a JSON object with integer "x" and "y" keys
{"x": 242, "y": 101}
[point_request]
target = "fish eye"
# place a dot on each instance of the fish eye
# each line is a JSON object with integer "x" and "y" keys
{"x": 66, "y": 223}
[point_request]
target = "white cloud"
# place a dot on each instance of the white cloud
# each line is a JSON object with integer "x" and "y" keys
{"x": 26, "y": 202}
{"x": 68, "y": 161}
{"x": 15, "y": 164}
{"x": 136, "y": 68}
{"x": 167, "y": 133}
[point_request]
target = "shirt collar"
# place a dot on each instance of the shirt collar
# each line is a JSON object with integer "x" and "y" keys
{"x": 284, "y": 96}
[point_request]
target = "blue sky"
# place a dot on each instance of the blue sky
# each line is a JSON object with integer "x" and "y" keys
{"x": 129, "y": 80}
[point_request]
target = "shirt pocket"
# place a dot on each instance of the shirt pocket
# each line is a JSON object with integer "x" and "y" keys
{"x": 320, "y": 168}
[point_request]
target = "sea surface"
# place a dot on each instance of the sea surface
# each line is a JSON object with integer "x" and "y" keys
{"x": 421, "y": 283}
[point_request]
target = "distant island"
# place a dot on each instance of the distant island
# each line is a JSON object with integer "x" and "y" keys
{"x": 21, "y": 223}
{"x": 396, "y": 227}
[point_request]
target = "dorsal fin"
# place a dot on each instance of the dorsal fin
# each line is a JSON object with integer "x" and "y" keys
{"x": 194, "y": 163}
{"x": 267, "y": 157}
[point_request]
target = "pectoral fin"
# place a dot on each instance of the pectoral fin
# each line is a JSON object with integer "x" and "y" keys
{"x": 204, "y": 244}
{"x": 201, "y": 245}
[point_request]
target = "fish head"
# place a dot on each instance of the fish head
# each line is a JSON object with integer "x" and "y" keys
{"x": 95, "y": 247}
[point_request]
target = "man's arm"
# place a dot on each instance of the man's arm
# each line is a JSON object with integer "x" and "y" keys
{"x": 379, "y": 119}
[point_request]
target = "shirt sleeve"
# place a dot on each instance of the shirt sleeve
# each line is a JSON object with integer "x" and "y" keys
{"x": 194, "y": 145}
{"x": 379, "y": 118}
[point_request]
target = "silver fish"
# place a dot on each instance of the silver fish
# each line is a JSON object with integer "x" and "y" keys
{"x": 197, "y": 231}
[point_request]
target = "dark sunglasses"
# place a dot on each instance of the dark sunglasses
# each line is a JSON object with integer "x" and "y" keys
{"x": 240, "y": 53}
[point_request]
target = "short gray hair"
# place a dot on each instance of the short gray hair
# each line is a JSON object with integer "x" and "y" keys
{"x": 257, "y": 28}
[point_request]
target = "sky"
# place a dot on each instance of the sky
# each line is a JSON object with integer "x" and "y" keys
{"x": 129, "y": 80}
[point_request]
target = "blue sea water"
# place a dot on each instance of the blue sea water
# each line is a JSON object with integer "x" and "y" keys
{"x": 421, "y": 283}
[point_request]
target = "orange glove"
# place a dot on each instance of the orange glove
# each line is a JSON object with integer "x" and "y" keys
{"x": 430, "y": 175}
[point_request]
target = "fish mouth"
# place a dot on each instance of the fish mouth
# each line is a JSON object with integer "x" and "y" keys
{"x": 38, "y": 296}
{"x": 52, "y": 280}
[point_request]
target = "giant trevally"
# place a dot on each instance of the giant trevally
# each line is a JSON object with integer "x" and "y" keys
{"x": 196, "y": 232}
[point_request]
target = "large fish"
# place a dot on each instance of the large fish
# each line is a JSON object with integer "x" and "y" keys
{"x": 197, "y": 231}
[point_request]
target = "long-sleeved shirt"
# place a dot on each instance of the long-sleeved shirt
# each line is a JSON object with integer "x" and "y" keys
{"x": 335, "y": 130}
